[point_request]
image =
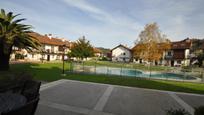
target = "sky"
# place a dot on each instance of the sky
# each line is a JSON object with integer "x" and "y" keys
{"x": 108, "y": 23}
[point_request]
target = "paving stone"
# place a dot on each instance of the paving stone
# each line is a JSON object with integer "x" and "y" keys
{"x": 74, "y": 94}
{"x": 128, "y": 101}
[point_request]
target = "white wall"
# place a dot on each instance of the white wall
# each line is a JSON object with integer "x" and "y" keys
{"x": 56, "y": 48}
{"x": 33, "y": 57}
{"x": 47, "y": 47}
{"x": 187, "y": 53}
{"x": 118, "y": 54}
{"x": 38, "y": 56}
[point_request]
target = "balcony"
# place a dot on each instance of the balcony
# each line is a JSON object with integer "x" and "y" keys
{"x": 168, "y": 57}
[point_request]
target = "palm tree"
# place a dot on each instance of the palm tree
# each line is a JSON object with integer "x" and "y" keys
{"x": 13, "y": 34}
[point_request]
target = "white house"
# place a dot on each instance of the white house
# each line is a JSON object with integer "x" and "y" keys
{"x": 121, "y": 54}
{"x": 51, "y": 49}
{"x": 97, "y": 52}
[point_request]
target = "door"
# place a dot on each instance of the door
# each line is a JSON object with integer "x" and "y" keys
{"x": 172, "y": 63}
{"x": 48, "y": 57}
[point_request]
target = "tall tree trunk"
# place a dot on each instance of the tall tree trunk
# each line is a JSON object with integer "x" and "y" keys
{"x": 4, "y": 57}
{"x": 4, "y": 61}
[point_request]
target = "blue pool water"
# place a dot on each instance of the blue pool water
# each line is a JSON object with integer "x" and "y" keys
{"x": 131, "y": 73}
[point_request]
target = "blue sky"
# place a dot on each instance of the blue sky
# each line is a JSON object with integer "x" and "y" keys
{"x": 107, "y": 23}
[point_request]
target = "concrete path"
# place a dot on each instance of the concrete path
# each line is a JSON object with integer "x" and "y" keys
{"x": 67, "y": 97}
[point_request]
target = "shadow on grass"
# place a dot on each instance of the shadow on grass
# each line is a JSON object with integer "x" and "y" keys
{"x": 44, "y": 72}
{"x": 52, "y": 71}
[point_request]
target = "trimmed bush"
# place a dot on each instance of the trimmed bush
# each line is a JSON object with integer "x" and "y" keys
{"x": 199, "y": 110}
{"x": 177, "y": 112}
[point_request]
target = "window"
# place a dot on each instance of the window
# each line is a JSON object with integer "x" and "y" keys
{"x": 48, "y": 50}
{"x": 124, "y": 54}
{"x": 52, "y": 48}
{"x": 43, "y": 47}
{"x": 123, "y": 59}
{"x": 169, "y": 53}
{"x": 60, "y": 48}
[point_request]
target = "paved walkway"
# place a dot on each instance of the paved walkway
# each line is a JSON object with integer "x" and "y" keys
{"x": 67, "y": 97}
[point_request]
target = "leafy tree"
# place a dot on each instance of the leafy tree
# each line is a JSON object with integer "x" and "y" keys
{"x": 151, "y": 44}
{"x": 197, "y": 47}
{"x": 197, "y": 44}
{"x": 200, "y": 58}
{"x": 13, "y": 34}
{"x": 82, "y": 49}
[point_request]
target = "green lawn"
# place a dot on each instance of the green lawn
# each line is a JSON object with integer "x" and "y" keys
{"x": 52, "y": 71}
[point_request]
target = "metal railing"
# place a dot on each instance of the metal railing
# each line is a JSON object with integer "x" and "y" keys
{"x": 128, "y": 70}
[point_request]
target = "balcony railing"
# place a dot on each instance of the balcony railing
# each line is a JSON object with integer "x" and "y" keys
{"x": 168, "y": 57}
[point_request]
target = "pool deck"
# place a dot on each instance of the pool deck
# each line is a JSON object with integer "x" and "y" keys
{"x": 67, "y": 97}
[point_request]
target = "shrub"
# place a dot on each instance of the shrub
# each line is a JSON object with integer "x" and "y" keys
{"x": 103, "y": 59}
{"x": 177, "y": 112}
{"x": 199, "y": 110}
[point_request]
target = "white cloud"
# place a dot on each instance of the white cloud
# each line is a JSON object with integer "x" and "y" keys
{"x": 102, "y": 15}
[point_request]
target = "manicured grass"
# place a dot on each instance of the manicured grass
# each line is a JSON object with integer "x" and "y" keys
{"x": 142, "y": 83}
{"x": 52, "y": 71}
{"x": 127, "y": 65}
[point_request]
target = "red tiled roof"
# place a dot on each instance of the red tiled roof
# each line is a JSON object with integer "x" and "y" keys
{"x": 96, "y": 50}
{"x": 44, "y": 39}
{"x": 184, "y": 44}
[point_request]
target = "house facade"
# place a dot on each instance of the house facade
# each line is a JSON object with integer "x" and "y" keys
{"x": 97, "y": 52}
{"x": 121, "y": 54}
{"x": 51, "y": 49}
{"x": 179, "y": 54}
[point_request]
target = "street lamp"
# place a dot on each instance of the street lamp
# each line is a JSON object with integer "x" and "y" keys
{"x": 63, "y": 54}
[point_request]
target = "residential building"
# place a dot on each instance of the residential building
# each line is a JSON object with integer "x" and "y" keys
{"x": 179, "y": 54}
{"x": 97, "y": 52}
{"x": 121, "y": 53}
{"x": 51, "y": 49}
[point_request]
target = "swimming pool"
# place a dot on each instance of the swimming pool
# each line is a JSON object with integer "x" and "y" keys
{"x": 130, "y": 72}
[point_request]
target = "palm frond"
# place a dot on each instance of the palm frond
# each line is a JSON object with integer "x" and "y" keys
{"x": 19, "y": 20}
{"x": 14, "y": 33}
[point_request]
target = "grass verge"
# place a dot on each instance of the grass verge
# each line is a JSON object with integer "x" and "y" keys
{"x": 52, "y": 71}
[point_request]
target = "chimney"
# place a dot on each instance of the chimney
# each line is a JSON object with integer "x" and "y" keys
{"x": 50, "y": 36}
{"x": 63, "y": 39}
